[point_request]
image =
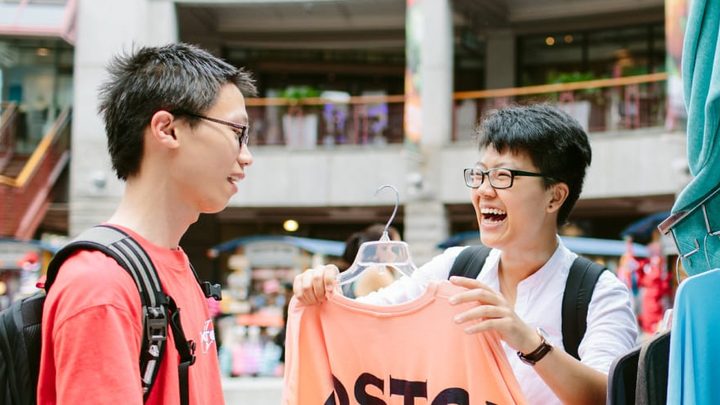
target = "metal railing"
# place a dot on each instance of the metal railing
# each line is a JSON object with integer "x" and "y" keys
{"x": 313, "y": 122}
{"x": 24, "y": 198}
{"x": 599, "y": 105}
{"x": 8, "y": 115}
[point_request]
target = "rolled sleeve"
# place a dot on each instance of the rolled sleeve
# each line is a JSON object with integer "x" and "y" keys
{"x": 611, "y": 325}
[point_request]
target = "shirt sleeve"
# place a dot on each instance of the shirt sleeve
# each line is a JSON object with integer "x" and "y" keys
{"x": 407, "y": 288}
{"x": 97, "y": 353}
{"x": 91, "y": 335}
{"x": 611, "y": 324}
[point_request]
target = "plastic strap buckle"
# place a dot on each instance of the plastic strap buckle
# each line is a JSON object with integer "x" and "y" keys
{"x": 191, "y": 353}
{"x": 212, "y": 290}
{"x": 156, "y": 323}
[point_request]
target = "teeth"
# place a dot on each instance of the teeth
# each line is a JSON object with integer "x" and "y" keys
{"x": 492, "y": 211}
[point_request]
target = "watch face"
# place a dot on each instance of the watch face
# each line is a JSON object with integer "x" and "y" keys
{"x": 543, "y": 334}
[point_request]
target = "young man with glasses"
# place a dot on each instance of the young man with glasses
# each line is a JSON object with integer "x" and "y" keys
{"x": 529, "y": 176}
{"x": 177, "y": 135}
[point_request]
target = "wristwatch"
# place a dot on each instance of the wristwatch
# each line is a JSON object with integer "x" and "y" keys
{"x": 537, "y": 354}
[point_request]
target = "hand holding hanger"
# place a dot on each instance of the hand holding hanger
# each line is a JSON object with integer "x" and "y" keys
{"x": 312, "y": 285}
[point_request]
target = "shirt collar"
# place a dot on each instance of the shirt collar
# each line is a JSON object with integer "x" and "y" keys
{"x": 559, "y": 261}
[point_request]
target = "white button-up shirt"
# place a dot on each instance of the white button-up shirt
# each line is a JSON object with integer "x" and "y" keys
{"x": 611, "y": 324}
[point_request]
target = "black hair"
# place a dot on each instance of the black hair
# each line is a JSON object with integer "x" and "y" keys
{"x": 175, "y": 77}
{"x": 554, "y": 141}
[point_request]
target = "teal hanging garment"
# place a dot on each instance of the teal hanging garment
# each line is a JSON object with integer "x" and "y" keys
{"x": 695, "y": 223}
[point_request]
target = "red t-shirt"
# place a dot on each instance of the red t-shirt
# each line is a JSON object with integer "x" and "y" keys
{"x": 344, "y": 352}
{"x": 92, "y": 331}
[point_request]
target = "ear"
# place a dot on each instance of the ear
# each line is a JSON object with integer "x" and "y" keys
{"x": 558, "y": 194}
{"x": 162, "y": 129}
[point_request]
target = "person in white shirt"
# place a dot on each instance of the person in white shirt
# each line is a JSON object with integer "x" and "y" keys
{"x": 530, "y": 174}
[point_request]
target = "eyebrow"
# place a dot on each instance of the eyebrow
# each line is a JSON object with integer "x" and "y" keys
{"x": 240, "y": 117}
{"x": 502, "y": 164}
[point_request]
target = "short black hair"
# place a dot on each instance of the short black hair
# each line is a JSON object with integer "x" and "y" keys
{"x": 175, "y": 77}
{"x": 556, "y": 143}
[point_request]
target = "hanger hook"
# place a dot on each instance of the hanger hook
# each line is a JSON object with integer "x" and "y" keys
{"x": 397, "y": 203}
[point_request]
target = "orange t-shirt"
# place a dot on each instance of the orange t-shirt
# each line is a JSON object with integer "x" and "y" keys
{"x": 92, "y": 332}
{"x": 345, "y": 352}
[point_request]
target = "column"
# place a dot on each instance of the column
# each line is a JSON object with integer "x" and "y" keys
{"x": 429, "y": 125}
{"x": 500, "y": 59}
{"x": 94, "y": 190}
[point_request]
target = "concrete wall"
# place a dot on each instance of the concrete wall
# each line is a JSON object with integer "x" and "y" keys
{"x": 340, "y": 176}
{"x": 94, "y": 191}
{"x": 634, "y": 163}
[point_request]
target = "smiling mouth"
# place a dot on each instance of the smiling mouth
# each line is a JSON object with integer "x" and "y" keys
{"x": 493, "y": 215}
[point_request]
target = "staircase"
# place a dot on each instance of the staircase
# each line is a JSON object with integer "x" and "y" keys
{"x": 15, "y": 165}
{"x": 26, "y": 180}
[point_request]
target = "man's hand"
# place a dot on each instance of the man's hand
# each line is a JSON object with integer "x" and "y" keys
{"x": 310, "y": 286}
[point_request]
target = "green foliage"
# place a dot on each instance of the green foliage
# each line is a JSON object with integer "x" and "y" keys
{"x": 298, "y": 93}
{"x": 572, "y": 77}
{"x": 565, "y": 77}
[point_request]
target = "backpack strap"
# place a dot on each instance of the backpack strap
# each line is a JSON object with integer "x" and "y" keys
{"x": 157, "y": 307}
{"x": 583, "y": 276}
{"x": 470, "y": 262}
{"x": 579, "y": 288}
{"x": 209, "y": 289}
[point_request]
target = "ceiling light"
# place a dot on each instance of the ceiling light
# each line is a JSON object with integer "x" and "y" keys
{"x": 291, "y": 225}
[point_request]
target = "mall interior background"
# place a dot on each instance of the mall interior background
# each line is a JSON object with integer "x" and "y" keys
{"x": 354, "y": 94}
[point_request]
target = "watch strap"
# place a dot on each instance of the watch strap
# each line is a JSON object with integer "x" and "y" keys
{"x": 537, "y": 354}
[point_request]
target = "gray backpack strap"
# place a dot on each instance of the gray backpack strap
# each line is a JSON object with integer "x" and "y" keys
{"x": 132, "y": 257}
{"x": 579, "y": 288}
{"x": 469, "y": 262}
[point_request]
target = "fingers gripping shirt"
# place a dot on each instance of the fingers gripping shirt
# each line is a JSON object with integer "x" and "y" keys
{"x": 345, "y": 352}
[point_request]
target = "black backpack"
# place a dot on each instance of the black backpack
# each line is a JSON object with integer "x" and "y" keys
{"x": 20, "y": 324}
{"x": 579, "y": 288}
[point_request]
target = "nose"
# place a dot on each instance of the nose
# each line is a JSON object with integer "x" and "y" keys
{"x": 485, "y": 188}
{"x": 245, "y": 158}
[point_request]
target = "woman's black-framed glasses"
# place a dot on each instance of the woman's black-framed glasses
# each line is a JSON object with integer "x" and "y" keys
{"x": 241, "y": 131}
{"x": 500, "y": 177}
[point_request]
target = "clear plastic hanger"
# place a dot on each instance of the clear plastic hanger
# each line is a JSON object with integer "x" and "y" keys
{"x": 384, "y": 252}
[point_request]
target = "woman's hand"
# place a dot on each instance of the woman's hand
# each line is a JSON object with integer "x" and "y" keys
{"x": 310, "y": 286}
{"x": 492, "y": 312}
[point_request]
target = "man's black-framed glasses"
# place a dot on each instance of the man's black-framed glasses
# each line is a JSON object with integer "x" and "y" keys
{"x": 241, "y": 131}
{"x": 500, "y": 177}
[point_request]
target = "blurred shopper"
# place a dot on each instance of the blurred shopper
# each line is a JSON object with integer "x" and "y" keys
{"x": 177, "y": 133}
{"x": 374, "y": 278}
{"x": 530, "y": 174}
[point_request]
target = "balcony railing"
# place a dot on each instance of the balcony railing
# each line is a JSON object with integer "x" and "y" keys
{"x": 599, "y": 105}
{"x": 313, "y": 122}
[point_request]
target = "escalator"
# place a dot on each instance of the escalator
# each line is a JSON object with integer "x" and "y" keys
{"x": 27, "y": 180}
